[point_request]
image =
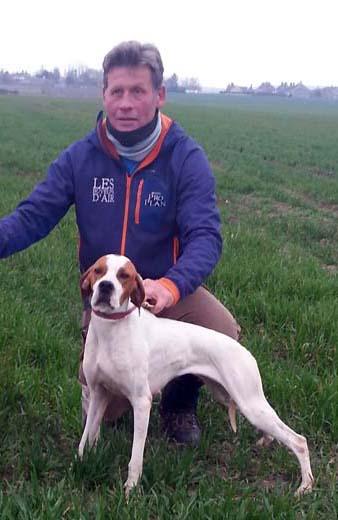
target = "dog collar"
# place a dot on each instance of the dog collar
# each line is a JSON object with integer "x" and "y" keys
{"x": 114, "y": 315}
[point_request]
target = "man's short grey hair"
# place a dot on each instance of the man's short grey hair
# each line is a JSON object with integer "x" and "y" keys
{"x": 134, "y": 54}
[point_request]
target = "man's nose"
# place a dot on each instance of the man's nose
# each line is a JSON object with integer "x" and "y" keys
{"x": 126, "y": 101}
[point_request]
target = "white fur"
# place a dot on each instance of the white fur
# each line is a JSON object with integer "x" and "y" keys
{"x": 136, "y": 356}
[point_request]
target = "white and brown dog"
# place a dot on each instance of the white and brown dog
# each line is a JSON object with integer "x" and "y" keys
{"x": 130, "y": 355}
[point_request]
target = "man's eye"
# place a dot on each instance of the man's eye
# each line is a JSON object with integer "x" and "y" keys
{"x": 137, "y": 91}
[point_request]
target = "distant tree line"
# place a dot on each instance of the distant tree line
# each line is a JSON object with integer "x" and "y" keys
{"x": 73, "y": 76}
{"x": 173, "y": 84}
{"x": 84, "y": 76}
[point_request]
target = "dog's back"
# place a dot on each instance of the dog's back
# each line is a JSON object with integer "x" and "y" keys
{"x": 177, "y": 348}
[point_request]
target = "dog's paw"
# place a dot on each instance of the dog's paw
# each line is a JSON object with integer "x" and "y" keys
{"x": 129, "y": 485}
{"x": 264, "y": 441}
{"x": 80, "y": 453}
{"x": 305, "y": 487}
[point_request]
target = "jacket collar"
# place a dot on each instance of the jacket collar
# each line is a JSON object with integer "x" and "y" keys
{"x": 109, "y": 148}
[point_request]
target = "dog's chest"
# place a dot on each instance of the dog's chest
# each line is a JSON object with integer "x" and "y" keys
{"x": 117, "y": 365}
{"x": 116, "y": 356}
{"x": 115, "y": 375}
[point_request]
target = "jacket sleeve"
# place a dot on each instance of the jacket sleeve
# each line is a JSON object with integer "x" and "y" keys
{"x": 199, "y": 226}
{"x": 39, "y": 213}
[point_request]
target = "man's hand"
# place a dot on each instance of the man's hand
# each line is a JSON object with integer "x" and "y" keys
{"x": 157, "y": 295}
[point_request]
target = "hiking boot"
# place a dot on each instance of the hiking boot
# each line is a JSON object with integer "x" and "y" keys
{"x": 181, "y": 427}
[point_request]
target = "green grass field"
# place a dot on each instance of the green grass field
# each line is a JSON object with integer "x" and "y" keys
{"x": 276, "y": 163}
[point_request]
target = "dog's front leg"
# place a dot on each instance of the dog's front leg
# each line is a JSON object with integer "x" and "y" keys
{"x": 98, "y": 402}
{"x": 141, "y": 410}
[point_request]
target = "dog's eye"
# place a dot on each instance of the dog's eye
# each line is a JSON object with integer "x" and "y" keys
{"x": 123, "y": 275}
{"x": 98, "y": 270}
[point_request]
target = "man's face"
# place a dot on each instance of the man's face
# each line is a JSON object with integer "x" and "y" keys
{"x": 130, "y": 100}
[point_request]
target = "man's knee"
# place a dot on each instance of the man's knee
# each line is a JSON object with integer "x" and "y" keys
{"x": 212, "y": 314}
{"x": 202, "y": 308}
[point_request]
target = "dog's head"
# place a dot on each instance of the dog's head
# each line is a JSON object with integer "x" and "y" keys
{"x": 112, "y": 282}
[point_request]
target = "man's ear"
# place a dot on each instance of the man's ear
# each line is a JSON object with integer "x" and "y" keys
{"x": 137, "y": 295}
{"x": 161, "y": 97}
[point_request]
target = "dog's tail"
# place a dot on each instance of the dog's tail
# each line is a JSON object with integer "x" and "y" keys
{"x": 232, "y": 414}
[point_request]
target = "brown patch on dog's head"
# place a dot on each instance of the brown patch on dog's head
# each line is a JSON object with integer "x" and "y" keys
{"x": 132, "y": 284}
{"x": 92, "y": 274}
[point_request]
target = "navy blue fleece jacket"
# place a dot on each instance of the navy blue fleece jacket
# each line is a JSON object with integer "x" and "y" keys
{"x": 163, "y": 216}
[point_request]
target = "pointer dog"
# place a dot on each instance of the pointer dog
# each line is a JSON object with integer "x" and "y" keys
{"x": 130, "y": 355}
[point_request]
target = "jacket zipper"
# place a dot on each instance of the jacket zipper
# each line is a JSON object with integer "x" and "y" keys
{"x": 138, "y": 201}
{"x": 176, "y": 249}
{"x": 166, "y": 124}
{"x": 125, "y": 217}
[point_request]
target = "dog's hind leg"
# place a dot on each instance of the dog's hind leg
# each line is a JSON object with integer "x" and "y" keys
{"x": 221, "y": 396}
{"x": 141, "y": 409}
{"x": 259, "y": 412}
{"x": 98, "y": 402}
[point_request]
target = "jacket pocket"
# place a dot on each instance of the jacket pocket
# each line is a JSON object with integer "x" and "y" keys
{"x": 154, "y": 211}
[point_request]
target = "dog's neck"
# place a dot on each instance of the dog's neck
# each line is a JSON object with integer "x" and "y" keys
{"x": 114, "y": 315}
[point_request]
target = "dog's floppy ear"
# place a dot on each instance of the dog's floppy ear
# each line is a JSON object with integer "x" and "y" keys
{"x": 85, "y": 285}
{"x": 137, "y": 295}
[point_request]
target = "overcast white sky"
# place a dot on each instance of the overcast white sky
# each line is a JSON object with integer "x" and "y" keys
{"x": 244, "y": 41}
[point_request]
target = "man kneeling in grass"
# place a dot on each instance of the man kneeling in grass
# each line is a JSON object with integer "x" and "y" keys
{"x": 142, "y": 188}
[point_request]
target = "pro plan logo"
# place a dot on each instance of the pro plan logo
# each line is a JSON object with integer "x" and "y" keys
{"x": 103, "y": 189}
{"x": 155, "y": 199}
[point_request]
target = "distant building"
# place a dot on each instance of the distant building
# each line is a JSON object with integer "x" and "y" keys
{"x": 236, "y": 89}
{"x": 265, "y": 89}
{"x": 284, "y": 90}
{"x": 296, "y": 90}
{"x": 300, "y": 91}
{"x": 327, "y": 93}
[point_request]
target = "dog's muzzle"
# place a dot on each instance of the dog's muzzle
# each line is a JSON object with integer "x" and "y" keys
{"x": 105, "y": 290}
{"x": 106, "y": 287}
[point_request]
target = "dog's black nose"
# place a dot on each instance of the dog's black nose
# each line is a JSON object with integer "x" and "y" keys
{"x": 106, "y": 287}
